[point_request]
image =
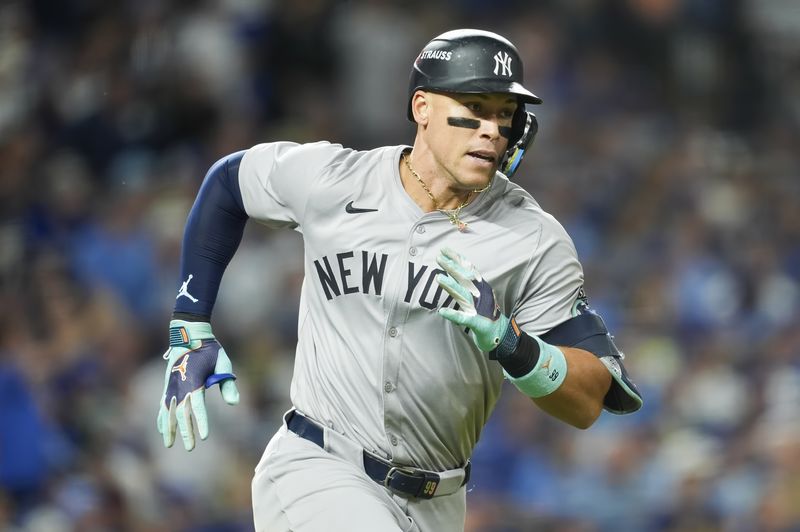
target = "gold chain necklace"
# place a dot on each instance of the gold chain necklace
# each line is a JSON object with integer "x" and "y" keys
{"x": 452, "y": 214}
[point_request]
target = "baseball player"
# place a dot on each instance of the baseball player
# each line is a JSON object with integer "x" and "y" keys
{"x": 430, "y": 278}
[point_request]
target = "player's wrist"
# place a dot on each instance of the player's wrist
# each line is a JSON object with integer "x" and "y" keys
{"x": 188, "y": 316}
{"x": 516, "y": 352}
{"x": 547, "y": 374}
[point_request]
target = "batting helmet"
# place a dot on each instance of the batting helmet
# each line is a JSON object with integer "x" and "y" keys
{"x": 476, "y": 61}
{"x": 469, "y": 61}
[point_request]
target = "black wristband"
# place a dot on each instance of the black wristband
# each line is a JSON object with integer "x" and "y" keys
{"x": 187, "y": 316}
{"x": 517, "y": 352}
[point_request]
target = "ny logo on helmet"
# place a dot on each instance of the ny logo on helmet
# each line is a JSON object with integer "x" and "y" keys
{"x": 502, "y": 61}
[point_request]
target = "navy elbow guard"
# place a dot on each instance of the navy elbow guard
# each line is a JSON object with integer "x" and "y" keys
{"x": 588, "y": 331}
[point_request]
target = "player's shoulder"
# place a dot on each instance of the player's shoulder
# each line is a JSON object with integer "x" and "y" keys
{"x": 365, "y": 159}
{"x": 288, "y": 151}
{"x": 517, "y": 203}
{"x": 328, "y": 156}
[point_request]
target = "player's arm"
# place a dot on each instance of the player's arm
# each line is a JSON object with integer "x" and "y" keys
{"x": 268, "y": 183}
{"x": 585, "y": 339}
{"x": 567, "y": 371}
{"x": 579, "y": 399}
{"x": 195, "y": 360}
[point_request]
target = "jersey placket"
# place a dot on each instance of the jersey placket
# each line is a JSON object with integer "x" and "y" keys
{"x": 397, "y": 315}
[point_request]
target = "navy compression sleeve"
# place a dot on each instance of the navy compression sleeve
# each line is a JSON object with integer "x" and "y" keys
{"x": 212, "y": 234}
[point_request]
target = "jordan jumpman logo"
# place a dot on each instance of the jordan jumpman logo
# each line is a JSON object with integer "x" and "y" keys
{"x": 184, "y": 291}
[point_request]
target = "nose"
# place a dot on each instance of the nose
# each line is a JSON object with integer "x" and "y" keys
{"x": 489, "y": 128}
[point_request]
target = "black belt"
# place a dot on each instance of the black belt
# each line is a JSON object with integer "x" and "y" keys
{"x": 407, "y": 481}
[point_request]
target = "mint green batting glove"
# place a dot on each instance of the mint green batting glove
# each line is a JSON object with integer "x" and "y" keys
{"x": 478, "y": 309}
{"x": 195, "y": 361}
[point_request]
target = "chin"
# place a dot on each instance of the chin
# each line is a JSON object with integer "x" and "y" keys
{"x": 470, "y": 176}
{"x": 478, "y": 178}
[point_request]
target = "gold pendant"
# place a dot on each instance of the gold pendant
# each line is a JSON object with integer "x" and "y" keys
{"x": 462, "y": 226}
{"x": 455, "y": 220}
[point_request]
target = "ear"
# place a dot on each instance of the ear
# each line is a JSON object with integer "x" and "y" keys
{"x": 420, "y": 107}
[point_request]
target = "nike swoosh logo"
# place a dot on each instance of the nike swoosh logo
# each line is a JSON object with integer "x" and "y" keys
{"x": 355, "y": 210}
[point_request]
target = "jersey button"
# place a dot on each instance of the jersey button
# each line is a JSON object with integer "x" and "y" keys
{"x": 420, "y": 229}
{"x": 393, "y": 332}
{"x": 393, "y": 439}
{"x": 412, "y": 251}
{"x": 388, "y": 387}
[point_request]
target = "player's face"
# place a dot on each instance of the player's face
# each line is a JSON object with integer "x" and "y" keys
{"x": 468, "y": 134}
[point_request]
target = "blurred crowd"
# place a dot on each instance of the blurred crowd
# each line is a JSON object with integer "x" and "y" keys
{"x": 667, "y": 147}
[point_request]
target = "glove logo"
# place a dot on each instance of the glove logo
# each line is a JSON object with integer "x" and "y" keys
{"x": 182, "y": 367}
{"x": 184, "y": 291}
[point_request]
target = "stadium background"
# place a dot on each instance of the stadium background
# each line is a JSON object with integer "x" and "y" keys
{"x": 668, "y": 148}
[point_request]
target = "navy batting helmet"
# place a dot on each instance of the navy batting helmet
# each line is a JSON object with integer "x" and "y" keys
{"x": 469, "y": 61}
{"x": 477, "y": 61}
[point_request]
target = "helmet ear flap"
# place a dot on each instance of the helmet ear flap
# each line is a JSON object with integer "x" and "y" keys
{"x": 518, "y": 123}
{"x": 524, "y": 127}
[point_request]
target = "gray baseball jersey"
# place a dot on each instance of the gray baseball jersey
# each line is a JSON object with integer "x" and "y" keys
{"x": 374, "y": 360}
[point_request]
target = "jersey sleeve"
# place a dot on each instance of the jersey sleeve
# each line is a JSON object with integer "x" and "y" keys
{"x": 277, "y": 178}
{"x": 553, "y": 281}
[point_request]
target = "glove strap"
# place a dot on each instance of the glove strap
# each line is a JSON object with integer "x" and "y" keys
{"x": 178, "y": 337}
{"x": 517, "y": 352}
{"x": 508, "y": 343}
{"x": 182, "y": 333}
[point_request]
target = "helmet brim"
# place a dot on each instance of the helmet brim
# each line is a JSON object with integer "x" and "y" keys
{"x": 478, "y": 86}
{"x": 484, "y": 86}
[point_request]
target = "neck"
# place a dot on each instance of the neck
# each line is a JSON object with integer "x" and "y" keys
{"x": 427, "y": 188}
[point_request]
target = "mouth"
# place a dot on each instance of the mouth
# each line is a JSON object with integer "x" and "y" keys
{"x": 485, "y": 157}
